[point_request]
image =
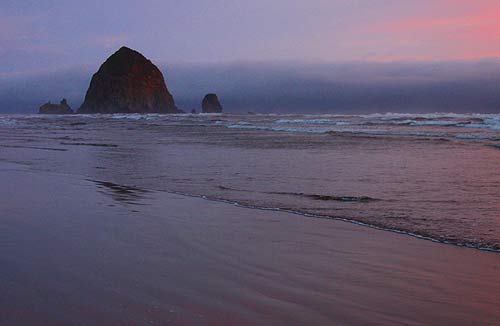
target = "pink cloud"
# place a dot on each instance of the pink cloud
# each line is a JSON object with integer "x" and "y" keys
{"x": 452, "y": 29}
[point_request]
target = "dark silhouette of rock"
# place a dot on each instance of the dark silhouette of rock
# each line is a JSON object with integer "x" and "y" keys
{"x": 61, "y": 108}
{"x": 193, "y": 111}
{"x": 211, "y": 104}
{"x": 127, "y": 82}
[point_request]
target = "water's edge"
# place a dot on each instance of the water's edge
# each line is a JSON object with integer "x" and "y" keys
{"x": 309, "y": 215}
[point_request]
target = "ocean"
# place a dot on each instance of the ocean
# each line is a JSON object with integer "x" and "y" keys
{"x": 434, "y": 176}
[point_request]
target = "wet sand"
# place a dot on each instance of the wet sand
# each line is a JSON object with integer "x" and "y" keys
{"x": 80, "y": 252}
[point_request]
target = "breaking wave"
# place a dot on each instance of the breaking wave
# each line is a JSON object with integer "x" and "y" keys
{"x": 473, "y": 121}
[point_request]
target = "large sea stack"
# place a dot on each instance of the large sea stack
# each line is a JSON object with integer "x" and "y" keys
{"x": 210, "y": 104}
{"x": 61, "y": 108}
{"x": 127, "y": 82}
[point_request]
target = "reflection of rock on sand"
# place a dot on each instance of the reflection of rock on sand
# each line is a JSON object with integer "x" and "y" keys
{"x": 121, "y": 193}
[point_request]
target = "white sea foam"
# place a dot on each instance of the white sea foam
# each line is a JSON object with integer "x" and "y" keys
{"x": 133, "y": 116}
{"x": 5, "y": 121}
{"x": 315, "y": 121}
{"x": 471, "y": 121}
{"x": 476, "y": 136}
{"x": 294, "y": 130}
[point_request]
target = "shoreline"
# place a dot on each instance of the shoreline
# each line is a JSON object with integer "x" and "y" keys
{"x": 328, "y": 217}
{"x": 111, "y": 254}
{"x": 309, "y": 215}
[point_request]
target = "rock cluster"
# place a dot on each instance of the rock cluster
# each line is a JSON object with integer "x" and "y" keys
{"x": 61, "y": 108}
{"x": 127, "y": 82}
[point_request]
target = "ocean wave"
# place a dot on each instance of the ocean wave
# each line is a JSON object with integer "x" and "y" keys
{"x": 136, "y": 116}
{"x": 8, "y": 122}
{"x": 316, "y": 121}
{"x": 477, "y": 136}
{"x": 429, "y": 116}
{"x": 380, "y": 132}
{"x": 379, "y": 226}
{"x": 89, "y": 144}
{"x": 431, "y": 123}
{"x": 374, "y": 132}
{"x": 321, "y": 197}
{"x": 294, "y": 130}
{"x": 371, "y": 132}
{"x": 470, "y": 121}
{"x": 494, "y": 125}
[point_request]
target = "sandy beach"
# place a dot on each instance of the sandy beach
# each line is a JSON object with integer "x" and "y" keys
{"x": 80, "y": 252}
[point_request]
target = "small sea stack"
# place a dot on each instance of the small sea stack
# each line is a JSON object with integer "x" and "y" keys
{"x": 61, "y": 108}
{"x": 127, "y": 82}
{"x": 211, "y": 104}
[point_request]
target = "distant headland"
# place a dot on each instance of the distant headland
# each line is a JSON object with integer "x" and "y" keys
{"x": 128, "y": 82}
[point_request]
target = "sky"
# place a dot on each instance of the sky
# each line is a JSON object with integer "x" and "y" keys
{"x": 44, "y": 38}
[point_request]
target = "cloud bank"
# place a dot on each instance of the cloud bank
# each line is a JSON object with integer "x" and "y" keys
{"x": 292, "y": 87}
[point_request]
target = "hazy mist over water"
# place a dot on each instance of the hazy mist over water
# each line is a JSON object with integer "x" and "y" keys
{"x": 461, "y": 86}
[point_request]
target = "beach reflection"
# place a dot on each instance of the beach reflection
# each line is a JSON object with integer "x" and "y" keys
{"x": 121, "y": 193}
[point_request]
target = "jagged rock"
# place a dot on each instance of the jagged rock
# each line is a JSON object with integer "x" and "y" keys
{"x": 61, "y": 108}
{"x": 127, "y": 82}
{"x": 211, "y": 104}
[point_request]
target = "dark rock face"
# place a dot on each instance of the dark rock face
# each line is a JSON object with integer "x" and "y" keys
{"x": 62, "y": 108}
{"x": 127, "y": 82}
{"x": 211, "y": 104}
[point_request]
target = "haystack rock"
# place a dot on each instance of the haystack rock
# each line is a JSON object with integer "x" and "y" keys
{"x": 127, "y": 82}
{"x": 61, "y": 108}
{"x": 211, "y": 104}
